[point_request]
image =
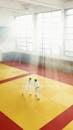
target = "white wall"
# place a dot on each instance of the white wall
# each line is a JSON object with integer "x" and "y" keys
{"x": 5, "y": 17}
{"x": 7, "y": 42}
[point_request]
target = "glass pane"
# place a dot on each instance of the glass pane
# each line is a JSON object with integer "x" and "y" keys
{"x": 24, "y": 31}
{"x": 69, "y": 45}
{"x": 69, "y": 21}
{"x": 51, "y": 32}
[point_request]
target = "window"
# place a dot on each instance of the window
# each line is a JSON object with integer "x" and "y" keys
{"x": 50, "y": 33}
{"x": 68, "y": 39}
{"x": 24, "y": 32}
{"x": 44, "y": 34}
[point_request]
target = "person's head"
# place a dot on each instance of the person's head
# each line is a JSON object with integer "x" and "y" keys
{"x": 35, "y": 80}
{"x": 29, "y": 78}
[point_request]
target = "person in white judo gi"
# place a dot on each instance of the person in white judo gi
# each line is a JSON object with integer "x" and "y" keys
{"x": 37, "y": 88}
{"x": 28, "y": 87}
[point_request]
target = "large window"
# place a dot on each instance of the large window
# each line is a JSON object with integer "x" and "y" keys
{"x": 68, "y": 42}
{"x": 24, "y": 32}
{"x": 50, "y": 33}
{"x": 42, "y": 33}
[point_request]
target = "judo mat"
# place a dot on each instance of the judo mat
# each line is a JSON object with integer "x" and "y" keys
{"x": 54, "y": 110}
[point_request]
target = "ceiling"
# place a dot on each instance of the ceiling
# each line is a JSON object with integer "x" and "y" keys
{"x": 21, "y": 7}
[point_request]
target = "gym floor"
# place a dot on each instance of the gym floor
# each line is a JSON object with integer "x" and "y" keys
{"x": 52, "y": 112}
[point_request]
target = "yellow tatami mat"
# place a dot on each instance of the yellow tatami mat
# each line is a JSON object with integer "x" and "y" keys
{"x": 8, "y": 72}
{"x": 27, "y": 111}
{"x": 69, "y": 126}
